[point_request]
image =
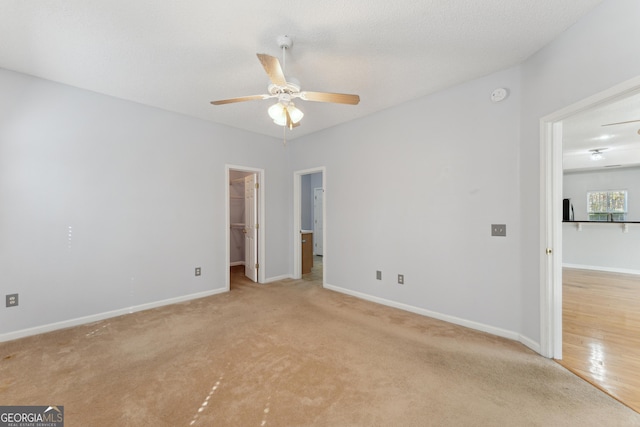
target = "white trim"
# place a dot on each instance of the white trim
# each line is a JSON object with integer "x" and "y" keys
{"x": 433, "y": 314}
{"x": 105, "y": 315}
{"x": 551, "y": 215}
{"x": 530, "y": 343}
{"x": 550, "y": 238}
{"x": 235, "y": 263}
{"x": 297, "y": 208}
{"x": 278, "y": 278}
{"x": 261, "y": 221}
{"x": 599, "y": 268}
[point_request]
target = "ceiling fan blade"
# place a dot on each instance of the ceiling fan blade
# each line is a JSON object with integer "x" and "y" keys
{"x": 240, "y": 99}
{"x": 272, "y": 67}
{"x": 338, "y": 98}
{"x": 621, "y": 123}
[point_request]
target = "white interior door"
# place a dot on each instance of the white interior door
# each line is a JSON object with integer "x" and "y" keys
{"x": 318, "y": 221}
{"x": 251, "y": 227}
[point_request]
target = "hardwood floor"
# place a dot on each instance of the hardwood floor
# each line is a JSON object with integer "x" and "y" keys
{"x": 601, "y": 331}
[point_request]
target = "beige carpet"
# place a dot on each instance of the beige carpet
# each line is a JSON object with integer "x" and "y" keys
{"x": 293, "y": 354}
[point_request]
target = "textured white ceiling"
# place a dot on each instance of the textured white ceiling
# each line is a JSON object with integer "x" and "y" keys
{"x": 620, "y": 141}
{"x": 179, "y": 55}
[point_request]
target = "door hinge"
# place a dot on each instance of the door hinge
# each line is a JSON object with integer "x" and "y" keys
{"x": 549, "y": 251}
{"x": 257, "y": 185}
{"x": 257, "y": 226}
{"x": 257, "y": 266}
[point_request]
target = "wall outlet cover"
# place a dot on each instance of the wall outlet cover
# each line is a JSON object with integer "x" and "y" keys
{"x": 12, "y": 300}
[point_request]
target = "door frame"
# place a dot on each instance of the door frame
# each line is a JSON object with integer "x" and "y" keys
{"x": 315, "y": 222}
{"x": 551, "y": 177}
{"x": 297, "y": 220}
{"x": 261, "y": 220}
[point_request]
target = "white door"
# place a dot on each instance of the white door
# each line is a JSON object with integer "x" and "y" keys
{"x": 251, "y": 227}
{"x": 318, "y": 194}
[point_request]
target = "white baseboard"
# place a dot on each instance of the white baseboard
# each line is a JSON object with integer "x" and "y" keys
{"x": 598, "y": 268}
{"x": 101, "y": 316}
{"x": 428, "y": 313}
{"x": 447, "y": 318}
{"x": 535, "y": 346}
{"x": 235, "y": 263}
{"x": 276, "y": 278}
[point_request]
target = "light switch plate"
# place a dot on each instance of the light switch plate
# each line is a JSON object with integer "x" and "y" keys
{"x": 499, "y": 230}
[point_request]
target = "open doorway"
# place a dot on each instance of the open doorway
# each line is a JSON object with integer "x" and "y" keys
{"x": 588, "y": 275}
{"x": 244, "y": 214}
{"x": 309, "y": 225}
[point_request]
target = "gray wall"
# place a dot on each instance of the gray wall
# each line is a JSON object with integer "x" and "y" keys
{"x": 108, "y": 205}
{"x": 307, "y": 184}
{"x": 413, "y": 190}
{"x": 577, "y": 184}
{"x": 306, "y": 211}
{"x": 602, "y": 246}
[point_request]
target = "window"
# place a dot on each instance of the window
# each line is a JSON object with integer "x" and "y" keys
{"x": 607, "y": 205}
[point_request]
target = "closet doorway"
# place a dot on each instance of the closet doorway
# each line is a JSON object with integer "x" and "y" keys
{"x": 309, "y": 224}
{"x": 245, "y": 213}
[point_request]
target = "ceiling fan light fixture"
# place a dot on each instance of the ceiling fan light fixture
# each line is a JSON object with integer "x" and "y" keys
{"x": 597, "y": 154}
{"x": 278, "y": 112}
{"x": 295, "y": 114}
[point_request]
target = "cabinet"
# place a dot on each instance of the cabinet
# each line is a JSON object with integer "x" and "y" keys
{"x": 307, "y": 251}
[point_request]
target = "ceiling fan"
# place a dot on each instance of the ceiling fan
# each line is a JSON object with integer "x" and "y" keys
{"x": 284, "y": 112}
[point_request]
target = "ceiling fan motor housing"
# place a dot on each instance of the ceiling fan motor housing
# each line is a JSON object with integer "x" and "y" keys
{"x": 285, "y": 42}
{"x": 292, "y": 87}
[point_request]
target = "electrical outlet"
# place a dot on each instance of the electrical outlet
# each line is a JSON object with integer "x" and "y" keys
{"x": 198, "y": 271}
{"x": 401, "y": 279}
{"x": 378, "y": 275}
{"x": 12, "y": 300}
{"x": 499, "y": 230}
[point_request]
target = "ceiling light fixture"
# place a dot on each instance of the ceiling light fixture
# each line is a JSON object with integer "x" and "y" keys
{"x": 284, "y": 113}
{"x": 278, "y": 112}
{"x": 596, "y": 154}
